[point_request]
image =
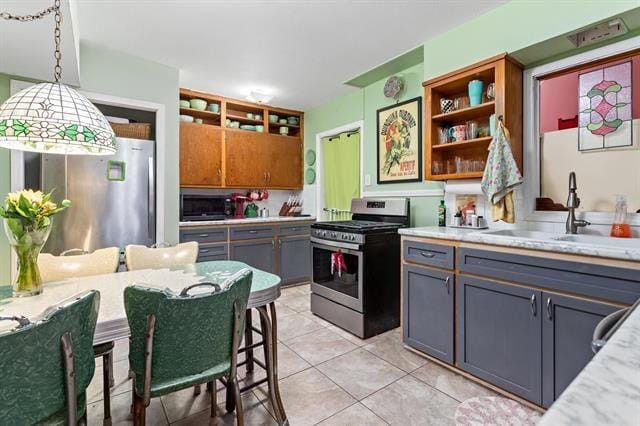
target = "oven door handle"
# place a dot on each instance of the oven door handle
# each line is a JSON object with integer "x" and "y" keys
{"x": 335, "y": 244}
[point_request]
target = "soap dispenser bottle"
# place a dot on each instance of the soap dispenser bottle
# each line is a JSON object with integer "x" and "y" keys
{"x": 620, "y": 228}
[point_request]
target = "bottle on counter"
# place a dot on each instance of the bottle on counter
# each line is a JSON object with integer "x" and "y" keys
{"x": 620, "y": 228}
{"x": 457, "y": 219}
{"x": 442, "y": 214}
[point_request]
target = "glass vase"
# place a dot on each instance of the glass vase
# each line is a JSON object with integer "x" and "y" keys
{"x": 27, "y": 238}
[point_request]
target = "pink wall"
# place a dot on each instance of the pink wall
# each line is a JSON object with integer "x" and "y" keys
{"x": 559, "y": 96}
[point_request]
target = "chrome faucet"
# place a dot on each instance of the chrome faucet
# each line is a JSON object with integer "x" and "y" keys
{"x": 573, "y": 202}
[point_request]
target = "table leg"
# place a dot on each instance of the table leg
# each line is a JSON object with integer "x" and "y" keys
{"x": 270, "y": 335}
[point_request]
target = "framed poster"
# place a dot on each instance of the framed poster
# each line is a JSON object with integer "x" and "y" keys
{"x": 604, "y": 105}
{"x": 399, "y": 138}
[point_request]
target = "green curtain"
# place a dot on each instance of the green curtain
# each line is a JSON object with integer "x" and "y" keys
{"x": 341, "y": 158}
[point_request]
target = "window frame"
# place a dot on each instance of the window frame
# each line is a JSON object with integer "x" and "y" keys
{"x": 531, "y": 189}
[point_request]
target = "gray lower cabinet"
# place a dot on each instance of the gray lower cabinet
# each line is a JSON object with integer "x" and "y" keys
{"x": 256, "y": 253}
{"x": 294, "y": 259}
{"x": 499, "y": 335}
{"x": 427, "y": 308}
{"x": 567, "y": 331}
{"x": 209, "y": 252}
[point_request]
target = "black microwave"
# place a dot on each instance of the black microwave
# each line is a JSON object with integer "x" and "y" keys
{"x": 194, "y": 207}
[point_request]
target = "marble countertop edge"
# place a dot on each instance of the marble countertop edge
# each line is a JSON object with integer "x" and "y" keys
{"x": 475, "y": 236}
{"x": 247, "y": 221}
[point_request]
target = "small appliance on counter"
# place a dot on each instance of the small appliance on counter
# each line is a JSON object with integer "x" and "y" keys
{"x": 356, "y": 267}
{"x": 199, "y": 206}
{"x": 239, "y": 200}
{"x": 251, "y": 210}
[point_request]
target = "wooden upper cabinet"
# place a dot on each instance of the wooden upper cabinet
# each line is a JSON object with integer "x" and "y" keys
{"x": 200, "y": 155}
{"x": 284, "y": 162}
{"x": 246, "y": 163}
{"x": 214, "y": 155}
{"x": 440, "y": 158}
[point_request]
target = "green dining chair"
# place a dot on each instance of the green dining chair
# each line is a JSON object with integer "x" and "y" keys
{"x": 186, "y": 339}
{"x": 47, "y": 365}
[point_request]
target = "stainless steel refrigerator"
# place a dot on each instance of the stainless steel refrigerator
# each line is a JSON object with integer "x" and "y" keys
{"x": 112, "y": 197}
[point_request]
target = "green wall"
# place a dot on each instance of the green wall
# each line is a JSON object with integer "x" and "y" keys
{"x": 513, "y": 26}
{"x": 113, "y": 73}
{"x": 362, "y": 104}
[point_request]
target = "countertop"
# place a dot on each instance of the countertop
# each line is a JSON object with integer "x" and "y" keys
{"x": 607, "y": 390}
{"x": 476, "y": 236}
{"x": 256, "y": 220}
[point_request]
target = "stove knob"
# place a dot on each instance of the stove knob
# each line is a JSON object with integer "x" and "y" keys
{"x": 353, "y": 238}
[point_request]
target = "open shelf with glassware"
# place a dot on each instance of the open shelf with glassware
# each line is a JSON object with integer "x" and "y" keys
{"x": 459, "y": 117}
{"x": 235, "y": 142}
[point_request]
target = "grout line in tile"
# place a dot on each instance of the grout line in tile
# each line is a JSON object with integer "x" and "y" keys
{"x": 433, "y": 387}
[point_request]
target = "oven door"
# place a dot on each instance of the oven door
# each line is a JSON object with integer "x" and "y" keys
{"x": 344, "y": 288}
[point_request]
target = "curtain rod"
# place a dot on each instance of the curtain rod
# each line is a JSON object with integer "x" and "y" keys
{"x": 349, "y": 133}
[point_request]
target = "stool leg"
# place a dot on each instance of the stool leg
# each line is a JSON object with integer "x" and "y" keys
{"x": 212, "y": 387}
{"x": 107, "y": 377}
{"x": 248, "y": 339}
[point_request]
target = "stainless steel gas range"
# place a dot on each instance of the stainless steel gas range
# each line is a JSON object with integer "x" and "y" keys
{"x": 356, "y": 267}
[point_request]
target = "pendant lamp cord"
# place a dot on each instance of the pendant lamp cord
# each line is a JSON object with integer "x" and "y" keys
{"x": 55, "y": 9}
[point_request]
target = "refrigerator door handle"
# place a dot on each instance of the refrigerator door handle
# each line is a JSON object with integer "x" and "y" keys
{"x": 151, "y": 197}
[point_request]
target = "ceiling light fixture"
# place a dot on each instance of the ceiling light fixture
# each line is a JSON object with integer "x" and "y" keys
{"x": 259, "y": 97}
{"x": 52, "y": 117}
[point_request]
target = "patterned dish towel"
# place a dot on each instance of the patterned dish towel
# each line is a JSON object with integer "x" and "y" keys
{"x": 501, "y": 176}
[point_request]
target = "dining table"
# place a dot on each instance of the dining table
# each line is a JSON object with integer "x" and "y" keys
{"x": 112, "y": 322}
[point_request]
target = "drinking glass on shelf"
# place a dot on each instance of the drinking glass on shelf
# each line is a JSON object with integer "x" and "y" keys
{"x": 451, "y": 166}
{"x": 461, "y": 102}
{"x": 436, "y": 167}
{"x": 472, "y": 129}
{"x": 443, "y": 135}
{"x": 458, "y": 163}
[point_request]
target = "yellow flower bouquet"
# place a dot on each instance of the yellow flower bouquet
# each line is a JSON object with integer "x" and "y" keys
{"x": 27, "y": 222}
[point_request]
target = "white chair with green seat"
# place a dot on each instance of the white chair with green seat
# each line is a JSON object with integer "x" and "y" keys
{"x": 141, "y": 257}
{"x": 46, "y": 365}
{"x": 76, "y": 263}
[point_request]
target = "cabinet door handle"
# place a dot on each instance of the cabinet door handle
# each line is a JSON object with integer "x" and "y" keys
{"x": 273, "y": 244}
{"x": 279, "y": 243}
{"x": 446, "y": 283}
{"x": 428, "y": 255}
{"x": 253, "y": 232}
{"x": 219, "y": 172}
{"x": 549, "y": 308}
{"x": 269, "y": 177}
{"x": 534, "y": 308}
{"x": 204, "y": 250}
{"x": 203, "y": 235}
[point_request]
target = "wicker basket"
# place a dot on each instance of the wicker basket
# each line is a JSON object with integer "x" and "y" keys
{"x": 132, "y": 130}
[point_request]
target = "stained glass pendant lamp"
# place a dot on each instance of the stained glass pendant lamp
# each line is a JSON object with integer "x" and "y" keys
{"x": 52, "y": 117}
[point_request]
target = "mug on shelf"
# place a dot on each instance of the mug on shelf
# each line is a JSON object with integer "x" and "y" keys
{"x": 458, "y": 133}
{"x": 475, "y": 92}
{"x": 446, "y": 105}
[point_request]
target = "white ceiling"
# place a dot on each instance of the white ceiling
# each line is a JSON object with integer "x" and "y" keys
{"x": 27, "y": 47}
{"x": 300, "y": 51}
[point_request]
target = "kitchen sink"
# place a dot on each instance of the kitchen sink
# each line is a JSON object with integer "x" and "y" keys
{"x": 522, "y": 233}
{"x": 595, "y": 240}
{"x": 631, "y": 243}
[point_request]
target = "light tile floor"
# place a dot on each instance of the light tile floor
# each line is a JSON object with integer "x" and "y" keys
{"x": 327, "y": 377}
